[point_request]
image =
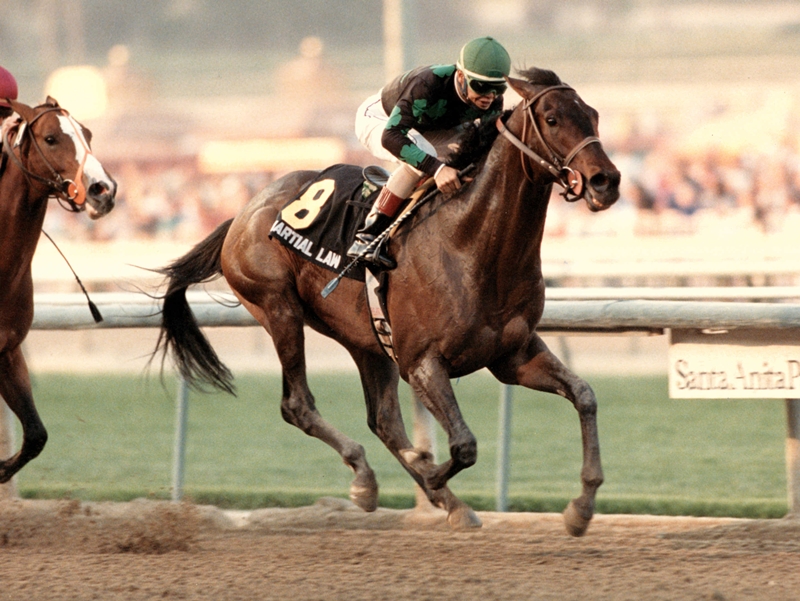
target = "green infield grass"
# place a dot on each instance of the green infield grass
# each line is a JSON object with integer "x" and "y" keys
{"x": 111, "y": 438}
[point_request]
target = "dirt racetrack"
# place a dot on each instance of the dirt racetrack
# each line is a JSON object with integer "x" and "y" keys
{"x": 67, "y": 550}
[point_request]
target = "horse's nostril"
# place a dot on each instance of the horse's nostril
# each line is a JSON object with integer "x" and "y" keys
{"x": 98, "y": 189}
{"x": 102, "y": 191}
{"x": 602, "y": 181}
{"x": 599, "y": 182}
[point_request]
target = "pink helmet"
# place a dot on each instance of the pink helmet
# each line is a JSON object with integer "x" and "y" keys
{"x": 8, "y": 87}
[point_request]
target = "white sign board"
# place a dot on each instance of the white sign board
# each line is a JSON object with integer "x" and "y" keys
{"x": 736, "y": 364}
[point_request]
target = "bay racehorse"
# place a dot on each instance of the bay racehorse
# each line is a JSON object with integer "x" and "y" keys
{"x": 467, "y": 293}
{"x": 46, "y": 154}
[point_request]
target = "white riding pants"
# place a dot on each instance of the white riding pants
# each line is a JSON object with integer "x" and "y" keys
{"x": 371, "y": 122}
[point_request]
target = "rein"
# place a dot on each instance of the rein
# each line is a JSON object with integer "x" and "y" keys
{"x": 65, "y": 189}
{"x": 568, "y": 178}
{"x": 380, "y": 238}
{"x": 96, "y": 315}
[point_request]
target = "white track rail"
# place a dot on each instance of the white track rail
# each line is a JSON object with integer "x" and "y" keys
{"x": 568, "y": 310}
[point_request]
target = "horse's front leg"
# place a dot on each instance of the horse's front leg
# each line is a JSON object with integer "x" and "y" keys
{"x": 431, "y": 382}
{"x": 380, "y": 379}
{"x": 539, "y": 369}
{"x": 15, "y": 388}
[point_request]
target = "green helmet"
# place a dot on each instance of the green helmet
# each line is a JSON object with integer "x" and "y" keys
{"x": 484, "y": 59}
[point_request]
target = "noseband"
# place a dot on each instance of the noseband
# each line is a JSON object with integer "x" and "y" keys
{"x": 571, "y": 180}
{"x": 65, "y": 190}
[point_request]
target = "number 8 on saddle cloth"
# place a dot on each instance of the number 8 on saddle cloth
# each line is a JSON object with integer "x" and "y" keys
{"x": 321, "y": 223}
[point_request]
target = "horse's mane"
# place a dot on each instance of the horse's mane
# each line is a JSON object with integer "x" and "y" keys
{"x": 478, "y": 138}
{"x": 540, "y": 77}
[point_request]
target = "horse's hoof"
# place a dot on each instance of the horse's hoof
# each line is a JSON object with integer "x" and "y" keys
{"x": 463, "y": 518}
{"x": 574, "y": 521}
{"x": 365, "y": 497}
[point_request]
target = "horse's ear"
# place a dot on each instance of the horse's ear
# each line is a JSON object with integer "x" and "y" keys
{"x": 51, "y": 101}
{"x": 23, "y": 110}
{"x": 521, "y": 87}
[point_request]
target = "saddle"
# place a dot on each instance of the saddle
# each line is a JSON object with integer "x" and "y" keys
{"x": 320, "y": 224}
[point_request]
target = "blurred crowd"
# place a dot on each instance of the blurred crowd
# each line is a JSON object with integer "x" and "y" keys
{"x": 739, "y": 175}
{"x": 713, "y": 192}
{"x": 663, "y": 192}
{"x": 173, "y": 203}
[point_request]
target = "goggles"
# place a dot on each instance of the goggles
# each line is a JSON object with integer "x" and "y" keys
{"x": 486, "y": 88}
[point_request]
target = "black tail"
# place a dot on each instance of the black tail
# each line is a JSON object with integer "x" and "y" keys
{"x": 180, "y": 336}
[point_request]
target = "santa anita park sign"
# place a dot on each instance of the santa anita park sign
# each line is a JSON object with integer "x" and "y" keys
{"x": 735, "y": 364}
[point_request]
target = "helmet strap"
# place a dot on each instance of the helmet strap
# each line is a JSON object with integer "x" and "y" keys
{"x": 461, "y": 88}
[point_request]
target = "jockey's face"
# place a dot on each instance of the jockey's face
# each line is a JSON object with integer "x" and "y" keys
{"x": 480, "y": 101}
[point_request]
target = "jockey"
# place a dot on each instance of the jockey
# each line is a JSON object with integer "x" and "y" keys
{"x": 8, "y": 90}
{"x": 419, "y": 117}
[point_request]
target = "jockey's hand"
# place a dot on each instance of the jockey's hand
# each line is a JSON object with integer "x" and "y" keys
{"x": 447, "y": 180}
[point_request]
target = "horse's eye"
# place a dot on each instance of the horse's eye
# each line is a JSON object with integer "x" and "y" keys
{"x": 51, "y": 140}
{"x": 551, "y": 121}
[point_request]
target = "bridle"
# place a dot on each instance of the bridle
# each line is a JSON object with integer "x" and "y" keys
{"x": 568, "y": 178}
{"x": 65, "y": 190}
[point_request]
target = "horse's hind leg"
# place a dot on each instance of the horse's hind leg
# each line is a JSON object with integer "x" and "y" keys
{"x": 285, "y": 324}
{"x": 15, "y": 388}
{"x": 539, "y": 369}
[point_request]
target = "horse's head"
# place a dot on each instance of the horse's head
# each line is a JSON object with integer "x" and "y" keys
{"x": 59, "y": 155}
{"x": 558, "y": 131}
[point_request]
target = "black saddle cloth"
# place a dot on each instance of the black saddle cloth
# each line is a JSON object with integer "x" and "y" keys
{"x": 321, "y": 223}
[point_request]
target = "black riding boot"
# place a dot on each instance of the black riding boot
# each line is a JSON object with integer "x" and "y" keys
{"x": 374, "y": 225}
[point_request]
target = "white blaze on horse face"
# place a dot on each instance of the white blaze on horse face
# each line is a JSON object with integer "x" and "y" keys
{"x": 92, "y": 169}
